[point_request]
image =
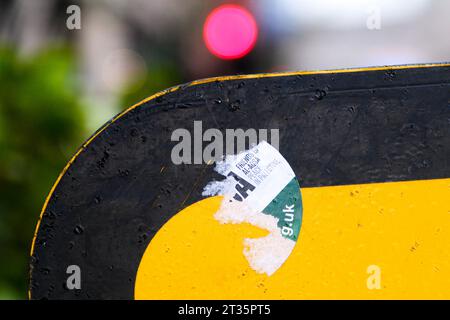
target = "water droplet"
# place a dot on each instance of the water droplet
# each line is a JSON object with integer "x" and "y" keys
{"x": 234, "y": 106}
{"x": 78, "y": 229}
{"x": 320, "y": 94}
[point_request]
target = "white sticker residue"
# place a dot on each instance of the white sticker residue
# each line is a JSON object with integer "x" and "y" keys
{"x": 258, "y": 190}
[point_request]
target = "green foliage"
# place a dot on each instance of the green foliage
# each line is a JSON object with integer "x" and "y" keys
{"x": 41, "y": 124}
{"x": 161, "y": 75}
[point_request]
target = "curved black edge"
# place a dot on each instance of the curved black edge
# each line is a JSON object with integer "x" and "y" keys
{"x": 335, "y": 129}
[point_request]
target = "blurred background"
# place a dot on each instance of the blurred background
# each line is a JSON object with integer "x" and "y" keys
{"x": 66, "y": 67}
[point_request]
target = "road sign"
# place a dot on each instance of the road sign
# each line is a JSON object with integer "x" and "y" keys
{"x": 334, "y": 184}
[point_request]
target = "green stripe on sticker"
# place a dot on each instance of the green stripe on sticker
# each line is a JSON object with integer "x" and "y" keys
{"x": 287, "y": 208}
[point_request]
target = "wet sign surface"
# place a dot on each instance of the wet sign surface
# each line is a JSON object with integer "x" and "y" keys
{"x": 308, "y": 185}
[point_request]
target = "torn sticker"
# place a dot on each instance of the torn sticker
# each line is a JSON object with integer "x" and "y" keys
{"x": 260, "y": 188}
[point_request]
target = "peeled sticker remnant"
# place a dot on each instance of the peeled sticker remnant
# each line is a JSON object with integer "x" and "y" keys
{"x": 260, "y": 188}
